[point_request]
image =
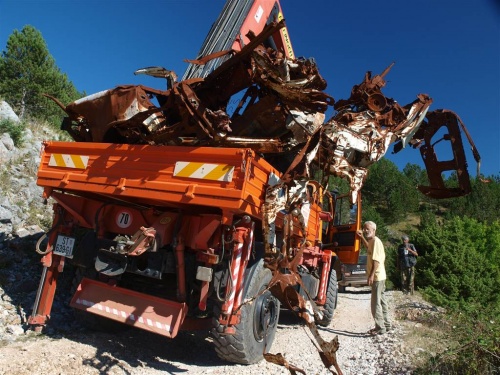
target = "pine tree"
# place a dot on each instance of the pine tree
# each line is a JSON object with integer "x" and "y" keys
{"x": 28, "y": 70}
{"x": 390, "y": 191}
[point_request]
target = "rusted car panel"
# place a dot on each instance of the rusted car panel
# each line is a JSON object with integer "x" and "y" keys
{"x": 281, "y": 102}
{"x": 365, "y": 126}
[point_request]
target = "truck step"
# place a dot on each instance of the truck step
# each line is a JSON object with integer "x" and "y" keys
{"x": 129, "y": 307}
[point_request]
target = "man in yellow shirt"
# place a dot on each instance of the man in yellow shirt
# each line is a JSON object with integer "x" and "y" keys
{"x": 376, "y": 277}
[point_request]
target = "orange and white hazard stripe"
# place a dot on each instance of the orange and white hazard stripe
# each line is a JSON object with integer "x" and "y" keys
{"x": 204, "y": 171}
{"x": 68, "y": 161}
{"x": 129, "y": 317}
{"x": 227, "y": 307}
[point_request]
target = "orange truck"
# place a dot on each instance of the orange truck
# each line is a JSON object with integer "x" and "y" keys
{"x": 165, "y": 219}
{"x": 178, "y": 213}
{"x": 169, "y": 238}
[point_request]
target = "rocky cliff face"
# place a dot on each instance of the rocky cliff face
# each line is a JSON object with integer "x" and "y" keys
{"x": 24, "y": 218}
{"x": 22, "y": 211}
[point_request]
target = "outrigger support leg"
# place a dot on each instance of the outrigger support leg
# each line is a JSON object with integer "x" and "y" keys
{"x": 45, "y": 294}
{"x": 53, "y": 265}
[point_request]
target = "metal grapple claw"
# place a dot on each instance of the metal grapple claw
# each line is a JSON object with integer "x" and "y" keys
{"x": 435, "y": 120}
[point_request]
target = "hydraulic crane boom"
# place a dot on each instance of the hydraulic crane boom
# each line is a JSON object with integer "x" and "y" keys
{"x": 231, "y": 32}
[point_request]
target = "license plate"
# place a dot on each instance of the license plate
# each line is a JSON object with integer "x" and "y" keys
{"x": 64, "y": 246}
{"x": 358, "y": 272}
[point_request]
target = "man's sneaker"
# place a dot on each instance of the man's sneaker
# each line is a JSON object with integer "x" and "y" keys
{"x": 375, "y": 331}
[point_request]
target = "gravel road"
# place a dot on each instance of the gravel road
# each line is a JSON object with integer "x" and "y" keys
{"x": 139, "y": 352}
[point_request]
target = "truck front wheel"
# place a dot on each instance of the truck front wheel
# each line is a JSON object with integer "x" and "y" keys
{"x": 331, "y": 300}
{"x": 259, "y": 321}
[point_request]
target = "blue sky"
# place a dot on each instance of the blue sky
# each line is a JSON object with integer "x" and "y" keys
{"x": 448, "y": 49}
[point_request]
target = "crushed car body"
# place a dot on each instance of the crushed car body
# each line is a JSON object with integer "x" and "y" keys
{"x": 281, "y": 106}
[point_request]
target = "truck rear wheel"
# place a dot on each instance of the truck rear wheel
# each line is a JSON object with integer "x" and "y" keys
{"x": 259, "y": 322}
{"x": 331, "y": 300}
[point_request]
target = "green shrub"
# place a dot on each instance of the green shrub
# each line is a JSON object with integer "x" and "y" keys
{"x": 391, "y": 269}
{"x": 459, "y": 268}
{"x": 15, "y": 130}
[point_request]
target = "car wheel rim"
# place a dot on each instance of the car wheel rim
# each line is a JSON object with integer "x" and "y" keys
{"x": 265, "y": 315}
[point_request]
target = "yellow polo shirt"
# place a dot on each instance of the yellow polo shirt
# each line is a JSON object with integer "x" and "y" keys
{"x": 376, "y": 252}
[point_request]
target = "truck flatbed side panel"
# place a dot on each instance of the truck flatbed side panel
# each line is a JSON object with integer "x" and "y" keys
{"x": 231, "y": 179}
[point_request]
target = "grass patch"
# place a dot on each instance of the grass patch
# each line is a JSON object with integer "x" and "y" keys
{"x": 423, "y": 326}
{"x": 5, "y": 181}
{"x": 443, "y": 342}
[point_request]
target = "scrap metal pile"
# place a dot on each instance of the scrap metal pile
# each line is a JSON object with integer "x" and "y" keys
{"x": 280, "y": 114}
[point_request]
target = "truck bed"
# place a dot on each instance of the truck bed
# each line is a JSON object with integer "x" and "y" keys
{"x": 228, "y": 179}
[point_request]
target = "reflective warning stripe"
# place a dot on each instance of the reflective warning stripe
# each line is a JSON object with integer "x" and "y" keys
{"x": 205, "y": 171}
{"x": 68, "y": 161}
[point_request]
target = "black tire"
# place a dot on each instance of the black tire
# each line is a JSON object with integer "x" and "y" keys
{"x": 331, "y": 300}
{"x": 87, "y": 319}
{"x": 259, "y": 322}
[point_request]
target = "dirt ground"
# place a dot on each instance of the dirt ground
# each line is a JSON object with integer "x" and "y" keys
{"x": 139, "y": 352}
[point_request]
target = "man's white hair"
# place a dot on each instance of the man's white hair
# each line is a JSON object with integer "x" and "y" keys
{"x": 371, "y": 224}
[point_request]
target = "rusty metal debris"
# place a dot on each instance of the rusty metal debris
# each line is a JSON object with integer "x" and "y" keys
{"x": 435, "y": 168}
{"x": 281, "y": 106}
{"x": 282, "y": 286}
{"x": 279, "y": 359}
{"x": 327, "y": 352}
{"x": 365, "y": 126}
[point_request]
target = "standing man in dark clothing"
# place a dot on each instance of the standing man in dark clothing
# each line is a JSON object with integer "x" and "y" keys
{"x": 407, "y": 259}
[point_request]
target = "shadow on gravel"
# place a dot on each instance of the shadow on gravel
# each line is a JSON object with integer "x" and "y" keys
{"x": 288, "y": 318}
{"x": 141, "y": 349}
{"x": 20, "y": 271}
